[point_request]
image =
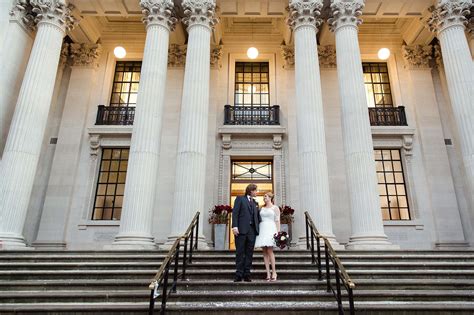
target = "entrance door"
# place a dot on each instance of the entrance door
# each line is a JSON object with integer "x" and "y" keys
{"x": 244, "y": 172}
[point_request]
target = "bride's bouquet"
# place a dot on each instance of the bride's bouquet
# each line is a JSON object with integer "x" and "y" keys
{"x": 281, "y": 240}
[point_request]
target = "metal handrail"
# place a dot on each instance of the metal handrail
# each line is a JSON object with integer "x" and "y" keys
{"x": 161, "y": 277}
{"x": 340, "y": 272}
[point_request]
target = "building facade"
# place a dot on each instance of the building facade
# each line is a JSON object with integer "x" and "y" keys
{"x": 100, "y": 152}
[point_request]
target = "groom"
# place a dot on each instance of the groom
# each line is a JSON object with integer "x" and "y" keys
{"x": 245, "y": 220}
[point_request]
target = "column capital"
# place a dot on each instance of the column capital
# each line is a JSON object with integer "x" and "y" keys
{"x": 327, "y": 56}
{"x": 64, "y": 56}
{"x": 177, "y": 55}
{"x": 305, "y": 13}
{"x": 199, "y": 12}
{"x": 417, "y": 56}
{"x": 159, "y": 12}
{"x": 22, "y": 11}
{"x": 85, "y": 55}
{"x": 449, "y": 13}
{"x": 55, "y": 12}
{"x": 345, "y": 13}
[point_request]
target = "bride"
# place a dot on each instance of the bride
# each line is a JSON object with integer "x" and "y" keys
{"x": 269, "y": 225}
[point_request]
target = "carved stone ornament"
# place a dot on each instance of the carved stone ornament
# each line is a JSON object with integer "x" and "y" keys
{"x": 94, "y": 142}
{"x": 159, "y": 12}
{"x": 449, "y": 13}
{"x": 470, "y": 24}
{"x": 85, "y": 55}
{"x": 327, "y": 56}
{"x": 417, "y": 56}
{"x": 288, "y": 54}
{"x": 64, "y": 56}
{"x": 177, "y": 55}
{"x": 438, "y": 56}
{"x": 22, "y": 11}
{"x": 407, "y": 144}
{"x": 216, "y": 55}
{"x": 345, "y": 13}
{"x": 55, "y": 12}
{"x": 305, "y": 13}
{"x": 199, "y": 12}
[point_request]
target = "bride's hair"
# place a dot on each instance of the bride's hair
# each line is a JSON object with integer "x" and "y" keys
{"x": 271, "y": 195}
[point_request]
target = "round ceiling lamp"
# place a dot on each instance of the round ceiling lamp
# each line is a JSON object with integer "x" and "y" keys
{"x": 120, "y": 52}
{"x": 384, "y": 53}
{"x": 252, "y": 53}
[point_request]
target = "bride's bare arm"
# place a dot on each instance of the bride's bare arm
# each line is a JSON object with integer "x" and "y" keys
{"x": 277, "y": 217}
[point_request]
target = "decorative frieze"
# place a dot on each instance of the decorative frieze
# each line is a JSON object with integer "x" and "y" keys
{"x": 345, "y": 13}
{"x": 199, "y": 12}
{"x": 417, "y": 56}
{"x": 305, "y": 13}
{"x": 449, "y": 13}
{"x": 158, "y": 12}
{"x": 327, "y": 56}
{"x": 85, "y": 55}
{"x": 55, "y": 12}
{"x": 288, "y": 54}
{"x": 22, "y": 11}
{"x": 216, "y": 55}
{"x": 177, "y": 55}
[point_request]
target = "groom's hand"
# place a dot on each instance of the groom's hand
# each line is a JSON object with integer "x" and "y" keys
{"x": 235, "y": 230}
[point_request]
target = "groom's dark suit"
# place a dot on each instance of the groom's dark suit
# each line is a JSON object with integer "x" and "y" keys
{"x": 245, "y": 217}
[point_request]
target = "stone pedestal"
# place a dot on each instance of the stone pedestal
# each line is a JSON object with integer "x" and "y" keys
{"x": 140, "y": 187}
{"x": 24, "y": 141}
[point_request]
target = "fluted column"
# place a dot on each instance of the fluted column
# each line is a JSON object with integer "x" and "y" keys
{"x": 449, "y": 20}
{"x": 366, "y": 216}
{"x": 313, "y": 179}
{"x": 192, "y": 143}
{"x": 24, "y": 140}
{"x": 140, "y": 186}
{"x": 15, "y": 45}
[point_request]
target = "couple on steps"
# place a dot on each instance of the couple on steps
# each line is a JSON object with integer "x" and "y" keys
{"x": 254, "y": 227}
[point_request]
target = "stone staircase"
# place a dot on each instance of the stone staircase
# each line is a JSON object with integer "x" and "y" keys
{"x": 105, "y": 282}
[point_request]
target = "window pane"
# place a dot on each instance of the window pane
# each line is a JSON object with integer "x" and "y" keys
{"x": 385, "y": 214}
{"x": 377, "y": 84}
{"x": 404, "y": 214}
{"x": 395, "y": 214}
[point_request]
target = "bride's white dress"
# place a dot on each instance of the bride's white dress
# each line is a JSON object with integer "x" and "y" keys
{"x": 267, "y": 227}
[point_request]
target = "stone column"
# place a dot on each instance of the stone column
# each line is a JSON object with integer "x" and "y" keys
{"x": 366, "y": 215}
{"x": 5, "y": 7}
{"x": 15, "y": 46}
{"x": 313, "y": 179}
{"x": 24, "y": 140}
{"x": 190, "y": 187}
{"x": 140, "y": 187}
{"x": 84, "y": 65}
{"x": 449, "y": 20}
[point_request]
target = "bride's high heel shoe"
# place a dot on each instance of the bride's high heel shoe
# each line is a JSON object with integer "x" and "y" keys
{"x": 274, "y": 278}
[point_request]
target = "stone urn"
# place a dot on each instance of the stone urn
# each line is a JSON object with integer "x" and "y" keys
{"x": 220, "y": 235}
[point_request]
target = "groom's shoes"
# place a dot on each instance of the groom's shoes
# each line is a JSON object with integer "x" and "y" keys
{"x": 238, "y": 279}
{"x": 247, "y": 279}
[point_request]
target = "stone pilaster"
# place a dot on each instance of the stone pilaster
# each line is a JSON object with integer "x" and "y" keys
{"x": 366, "y": 216}
{"x": 24, "y": 140}
{"x": 84, "y": 64}
{"x": 140, "y": 187}
{"x": 448, "y": 20}
{"x": 314, "y": 179}
{"x": 192, "y": 143}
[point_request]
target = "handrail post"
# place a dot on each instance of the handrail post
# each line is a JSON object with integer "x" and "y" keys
{"x": 164, "y": 295}
{"x": 151, "y": 309}
{"x": 191, "y": 246}
{"x": 185, "y": 253}
{"x": 176, "y": 266}
{"x": 328, "y": 274}
{"x": 320, "y": 273}
{"x": 338, "y": 290}
{"x": 197, "y": 232}
{"x": 351, "y": 301}
{"x": 313, "y": 259}
{"x": 307, "y": 230}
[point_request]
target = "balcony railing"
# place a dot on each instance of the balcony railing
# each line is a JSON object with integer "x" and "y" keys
{"x": 113, "y": 115}
{"x": 251, "y": 115}
{"x": 388, "y": 116}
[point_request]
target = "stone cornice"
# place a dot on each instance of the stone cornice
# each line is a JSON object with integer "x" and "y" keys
{"x": 22, "y": 11}
{"x": 327, "y": 56}
{"x": 55, "y": 12}
{"x": 85, "y": 55}
{"x": 417, "y": 56}
{"x": 199, "y": 12}
{"x": 449, "y": 13}
{"x": 305, "y": 13}
{"x": 345, "y": 13}
{"x": 159, "y": 12}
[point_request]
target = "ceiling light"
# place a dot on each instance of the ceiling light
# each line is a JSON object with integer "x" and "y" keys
{"x": 252, "y": 53}
{"x": 384, "y": 53}
{"x": 120, "y": 52}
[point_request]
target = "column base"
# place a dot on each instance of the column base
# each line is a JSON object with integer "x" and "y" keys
{"x": 370, "y": 243}
{"x": 132, "y": 242}
{"x": 10, "y": 241}
{"x": 202, "y": 244}
{"x": 50, "y": 245}
{"x": 301, "y": 243}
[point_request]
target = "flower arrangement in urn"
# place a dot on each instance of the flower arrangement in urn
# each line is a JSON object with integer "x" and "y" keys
{"x": 220, "y": 214}
{"x": 286, "y": 214}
